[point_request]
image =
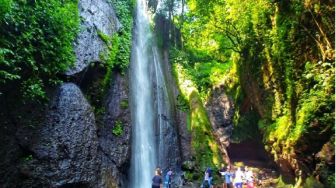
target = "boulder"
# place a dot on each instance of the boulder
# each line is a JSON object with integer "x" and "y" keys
{"x": 64, "y": 150}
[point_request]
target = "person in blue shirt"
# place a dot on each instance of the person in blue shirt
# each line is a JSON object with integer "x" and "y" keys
{"x": 209, "y": 172}
{"x": 168, "y": 178}
{"x": 227, "y": 176}
{"x": 207, "y": 182}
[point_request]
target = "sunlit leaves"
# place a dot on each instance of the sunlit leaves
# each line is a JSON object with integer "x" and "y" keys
{"x": 36, "y": 43}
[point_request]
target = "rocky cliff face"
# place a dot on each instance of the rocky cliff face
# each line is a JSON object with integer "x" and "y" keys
{"x": 115, "y": 147}
{"x": 220, "y": 110}
{"x": 306, "y": 156}
{"x": 70, "y": 149}
{"x": 63, "y": 144}
{"x": 97, "y": 16}
{"x": 167, "y": 128}
{"x": 64, "y": 148}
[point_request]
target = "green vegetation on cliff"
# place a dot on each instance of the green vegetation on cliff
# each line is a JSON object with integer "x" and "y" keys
{"x": 277, "y": 61}
{"x": 203, "y": 144}
{"x": 35, "y": 44}
{"x": 118, "y": 128}
{"x": 118, "y": 54}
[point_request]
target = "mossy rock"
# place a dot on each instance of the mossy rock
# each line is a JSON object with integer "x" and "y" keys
{"x": 311, "y": 182}
{"x": 188, "y": 165}
{"x": 124, "y": 104}
{"x": 203, "y": 142}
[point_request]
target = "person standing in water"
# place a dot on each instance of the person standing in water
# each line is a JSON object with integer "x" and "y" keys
{"x": 157, "y": 179}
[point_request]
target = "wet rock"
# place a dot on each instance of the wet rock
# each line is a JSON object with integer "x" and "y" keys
{"x": 184, "y": 135}
{"x": 166, "y": 127}
{"x": 9, "y": 155}
{"x": 220, "y": 110}
{"x": 116, "y": 147}
{"x": 325, "y": 168}
{"x": 96, "y": 16}
{"x": 117, "y": 112}
{"x": 327, "y": 153}
{"x": 64, "y": 151}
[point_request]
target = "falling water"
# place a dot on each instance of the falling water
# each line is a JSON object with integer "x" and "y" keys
{"x": 143, "y": 160}
{"x": 154, "y": 136}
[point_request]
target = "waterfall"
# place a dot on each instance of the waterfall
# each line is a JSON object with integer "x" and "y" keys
{"x": 154, "y": 138}
{"x": 143, "y": 160}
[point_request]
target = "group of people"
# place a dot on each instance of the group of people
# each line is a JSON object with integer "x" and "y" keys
{"x": 237, "y": 178}
{"x": 231, "y": 178}
{"x": 157, "y": 179}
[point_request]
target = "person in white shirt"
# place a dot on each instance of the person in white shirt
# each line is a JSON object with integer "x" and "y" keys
{"x": 249, "y": 177}
{"x": 238, "y": 179}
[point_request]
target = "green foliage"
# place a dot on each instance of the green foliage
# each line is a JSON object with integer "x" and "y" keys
{"x": 182, "y": 103}
{"x": 204, "y": 146}
{"x": 5, "y": 7}
{"x": 28, "y": 158}
{"x": 33, "y": 89}
{"x": 106, "y": 38}
{"x": 36, "y": 43}
{"x": 96, "y": 92}
{"x": 245, "y": 127}
{"x": 278, "y": 54}
{"x": 327, "y": 173}
{"x": 124, "y": 104}
{"x": 109, "y": 56}
{"x": 118, "y": 128}
{"x": 188, "y": 176}
{"x": 118, "y": 53}
{"x": 331, "y": 180}
{"x": 203, "y": 73}
{"x": 124, "y": 10}
{"x": 311, "y": 182}
{"x": 282, "y": 184}
{"x": 203, "y": 142}
{"x": 100, "y": 111}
